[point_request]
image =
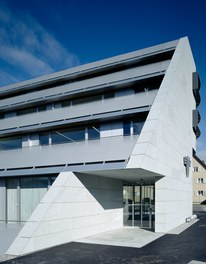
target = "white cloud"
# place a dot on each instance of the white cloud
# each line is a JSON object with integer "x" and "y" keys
{"x": 25, "y": 60}
{"x": 26, "y": 46}
{"x": 6, "y": 78}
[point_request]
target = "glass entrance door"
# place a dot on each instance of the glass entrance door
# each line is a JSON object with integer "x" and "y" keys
{"x": 148, "y": 206}
{"x": 139, "y": 205}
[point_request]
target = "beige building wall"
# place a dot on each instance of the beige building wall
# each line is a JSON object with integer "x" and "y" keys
{"x": 199, "y": 181}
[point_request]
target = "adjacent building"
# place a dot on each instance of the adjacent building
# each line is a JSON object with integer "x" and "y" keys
{"x": 199, "y": 181}
{"x": 100, "y": 146}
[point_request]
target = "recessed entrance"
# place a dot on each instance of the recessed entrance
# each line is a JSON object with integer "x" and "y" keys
{"x": 139, "y": 205}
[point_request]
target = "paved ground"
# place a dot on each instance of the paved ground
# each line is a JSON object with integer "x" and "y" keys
{"x": 124, "y": 237}
{"x": 7, "y": 234}
{"x": 184, "y": 248}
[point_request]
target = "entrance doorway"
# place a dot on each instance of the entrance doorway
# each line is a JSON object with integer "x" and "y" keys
{"x": 139, "y": 205}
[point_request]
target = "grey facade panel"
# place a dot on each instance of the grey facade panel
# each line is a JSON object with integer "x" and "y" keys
{"x": 75, "y": 121}
{"x": 125, "y": 58}
{"x": 104, "y": 150}
{"x": 82, "y": 86}
{"x": 55, "y": 170}
{"x": 52, "y": 117}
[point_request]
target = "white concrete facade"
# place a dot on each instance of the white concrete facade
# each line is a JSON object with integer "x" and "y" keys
{"x": 167, "y": 137}
{"x": 134, "y": 124}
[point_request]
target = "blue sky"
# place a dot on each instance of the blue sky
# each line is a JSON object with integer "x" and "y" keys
{"x": 41, "y": 37}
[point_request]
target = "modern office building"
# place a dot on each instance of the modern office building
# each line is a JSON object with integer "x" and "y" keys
{"x": 100, "y": 146}
{"x": 199, "y": 181}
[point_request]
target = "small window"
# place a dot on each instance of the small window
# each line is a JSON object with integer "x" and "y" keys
{"x": 200, "y": 193}
{"x": 200, "y": 180}
{"x": 195, "y": 169}
{"x": 93, "y": 132}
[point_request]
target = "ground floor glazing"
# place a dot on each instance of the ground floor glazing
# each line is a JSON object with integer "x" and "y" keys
{"x": 139, "y": 205}
{"x": 21, "y": 195}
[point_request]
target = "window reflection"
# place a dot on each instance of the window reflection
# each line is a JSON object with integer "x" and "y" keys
{"x": 23, "y": 194}
{"x": 68, "y": 135}
{"x": 137, "y": 127}
{"x": 94, "y": 132}
{"x": 32, "y": 190}
{"x": 126, "y": 128}
{"x": 44, "y": 138}
{"x": 26, "y": 111}
{"x": 10, "y": 143}
{"x": 87, "y": 99}
{"x": 71, "y": 135}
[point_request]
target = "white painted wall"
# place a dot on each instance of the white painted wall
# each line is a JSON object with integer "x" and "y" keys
{"x": 73, "y": 208}
{"x": 167, "y": 137}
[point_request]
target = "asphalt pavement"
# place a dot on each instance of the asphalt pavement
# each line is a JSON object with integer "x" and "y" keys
{"x": 188, "y": 246}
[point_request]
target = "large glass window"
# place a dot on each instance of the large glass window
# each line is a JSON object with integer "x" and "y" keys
{"x": 94, "y": 132}
{"x": 41, "y": 108}
{"x": 87, "y": 99}
{"x": 12, "y": 200}
{"x": 44, "y": 138}
{"x": 137, "y": 127}
{"x": 23, "y": 194}
{"x": 66, "y": 103}
{"x": 108, "y": 95}
{"x": 53, "y": 179}
{"x": 71, "y": 135}
{"x": 126, "y": 128}
{"x": 32, "y": 191}
{"x": 26, "y": 111}
{"x": 10, "y": 143}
